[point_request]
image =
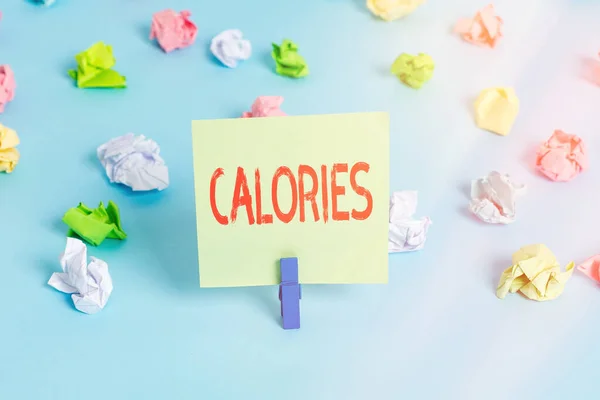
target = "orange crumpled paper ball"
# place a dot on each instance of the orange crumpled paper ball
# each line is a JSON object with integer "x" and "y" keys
{"x": 562, "y": 157}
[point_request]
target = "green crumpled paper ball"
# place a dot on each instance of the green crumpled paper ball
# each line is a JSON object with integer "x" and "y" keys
{"x": 413, "y": 70}
{"x": 288, "y": 61}
{"x": 95, "y": 224}
{"x": 94, "y": 68}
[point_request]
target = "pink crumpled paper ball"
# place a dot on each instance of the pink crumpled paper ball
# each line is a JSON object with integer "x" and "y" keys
{"x": 7, "y": 85}
{"x": 562, "y": 157}
{"x": 173, "y": 30}
{"x": 265, "y": 106}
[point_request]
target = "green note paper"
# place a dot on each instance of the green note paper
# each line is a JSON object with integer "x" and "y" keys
{"x": 312, "y": 187}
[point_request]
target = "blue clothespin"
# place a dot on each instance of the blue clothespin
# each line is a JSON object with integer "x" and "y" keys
{"x": 290, "y": 293}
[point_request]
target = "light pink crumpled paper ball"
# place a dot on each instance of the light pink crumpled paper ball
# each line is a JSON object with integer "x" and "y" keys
{"x": 265, "y": 106}
{"x": 173, "y": 30}
{"x": 562, "y": 157}
{"x": 7, "y": 85}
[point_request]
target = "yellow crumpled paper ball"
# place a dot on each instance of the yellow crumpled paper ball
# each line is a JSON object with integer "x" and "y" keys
{"x": 413, "y": 70}
{"x": 390, "y": 10}
{"x": 9, "y": 156}
{"x": 535, "y": 273}
{"x": 496, "y": 110}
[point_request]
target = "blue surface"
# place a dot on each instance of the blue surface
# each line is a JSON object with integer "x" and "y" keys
{"x": 436, "y": 331}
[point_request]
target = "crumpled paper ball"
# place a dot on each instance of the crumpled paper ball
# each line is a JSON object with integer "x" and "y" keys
{"x": 405, "y": 232}
{"x": 46, "y": 3}
{"x": 496, "y": 109}
{"x": 288, "y": 62}
{"x": 591, "y": 268}
{"x": 413, "y": 70}
{"x": 90, "y": 285}
{"x": 485, "y": 29}
{"x": 94, "y": 225}
{"x": 94, "y": 68}
{"x": 265, "y": 106}
{"x": 134, "y": 161}
{"x": 7, "y": 85}
{"x": 562, "y": 157}
{"x": 493, "y": 198}
{"x": 535, "y": 273}
{"x": 390, "y": 10}
{"x": 173, "y": 30}
{"x": 9, "y": 155}
{"x": 229, "y": 47}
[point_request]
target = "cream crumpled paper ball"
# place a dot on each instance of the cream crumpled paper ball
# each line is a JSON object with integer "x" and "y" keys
{"x": 390, "y": 10}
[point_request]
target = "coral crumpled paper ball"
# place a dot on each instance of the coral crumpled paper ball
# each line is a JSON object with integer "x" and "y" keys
{"x": 562, "y": 157}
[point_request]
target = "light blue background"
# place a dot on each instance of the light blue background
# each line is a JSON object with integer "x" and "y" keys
{"x": 436, "y": 331}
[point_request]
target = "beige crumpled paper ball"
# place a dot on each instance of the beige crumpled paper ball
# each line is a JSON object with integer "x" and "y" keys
{"x": 390, "y": 10}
